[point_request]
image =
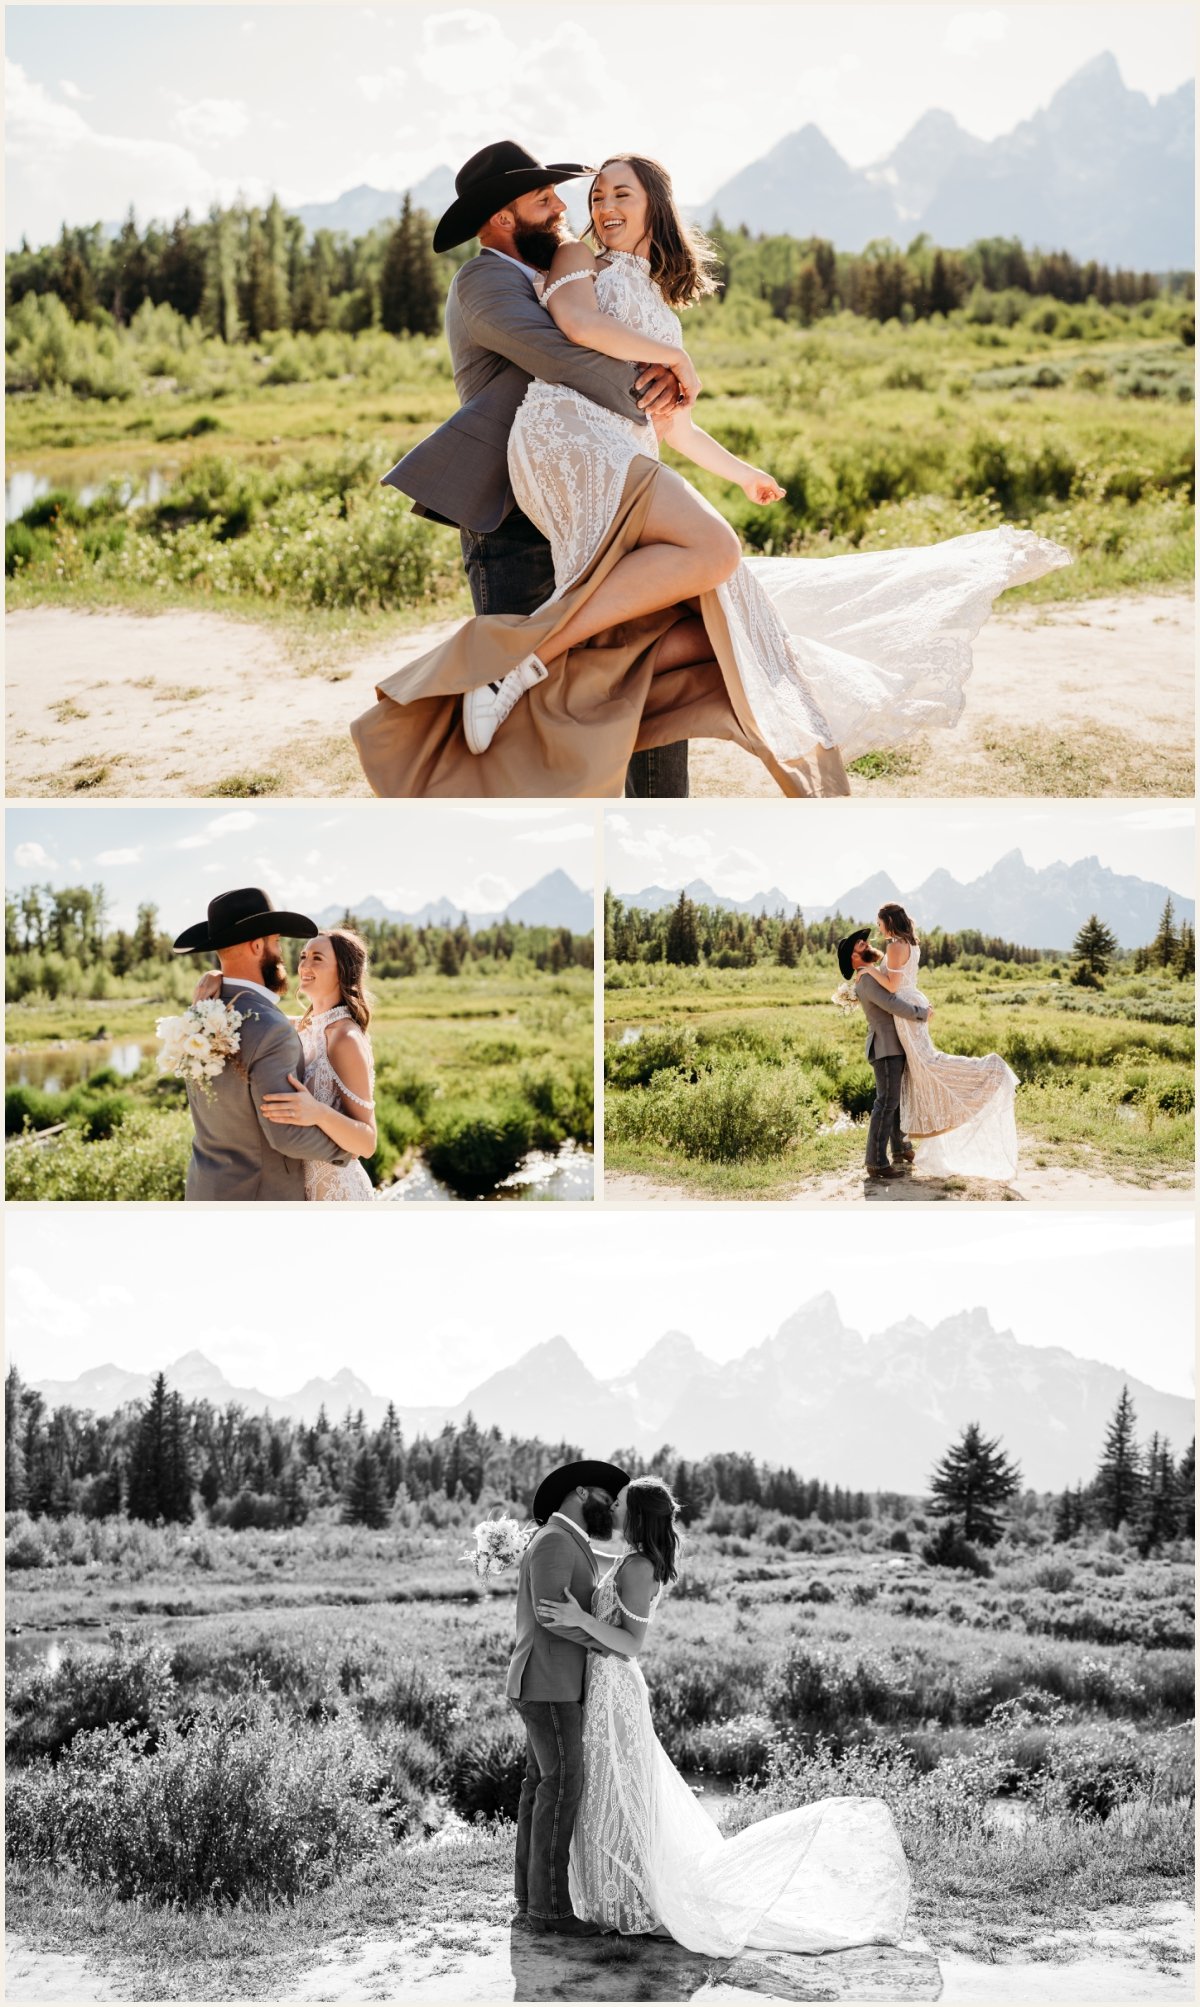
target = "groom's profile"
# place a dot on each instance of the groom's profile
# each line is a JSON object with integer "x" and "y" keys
{"x": 236, "y": 1152}
{"x": 545, "y": 1685}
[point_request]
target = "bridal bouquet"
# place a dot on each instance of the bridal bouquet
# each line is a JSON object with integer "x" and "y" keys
{"x": 499, "y": 1544}
{"x": 845, "y": 997}
{"x": 196, "y": 1045}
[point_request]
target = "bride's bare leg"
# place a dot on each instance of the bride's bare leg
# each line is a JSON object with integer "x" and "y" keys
{"x": 686, "y": 548}
{"x": 684, "y": 645}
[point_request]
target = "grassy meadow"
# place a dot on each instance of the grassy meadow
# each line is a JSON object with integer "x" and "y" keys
{"x": 472, "y": 1073}
{"x": 255, "y": 466}
{"x": 739, "y": 1083}
{"x": 344, "y": 1689}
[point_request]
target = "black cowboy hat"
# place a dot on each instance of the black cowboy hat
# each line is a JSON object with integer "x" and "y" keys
{"x": 846, "y": 948}
{"x": 489, "y": 181}
{"x": 554, "y": 1487}
{"x": 244, "y": 915}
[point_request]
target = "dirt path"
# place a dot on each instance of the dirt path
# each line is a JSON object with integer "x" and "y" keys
{"x": 182, "y": 703}
{"x": 1094, "y": 697}
{"x": 1042, "y": 1184}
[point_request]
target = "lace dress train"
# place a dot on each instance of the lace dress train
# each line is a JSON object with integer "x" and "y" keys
{"x": 646, "y": 1858}
{"x": 856, "y": 652}
{"x": 960, "y": 1112}
{"x": 332, "y": 1181}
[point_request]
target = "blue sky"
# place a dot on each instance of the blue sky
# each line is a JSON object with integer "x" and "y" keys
{"x": 742, "y": 848}
{"x": 306, "y": 855}
{"x": 1052, "y": 1276}
{"x": 164, "y": 106}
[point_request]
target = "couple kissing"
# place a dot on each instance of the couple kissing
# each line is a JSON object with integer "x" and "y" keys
{"x": 609, "y": 1835}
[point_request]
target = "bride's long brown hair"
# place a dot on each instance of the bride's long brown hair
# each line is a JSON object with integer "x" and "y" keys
{"x": 350, "y": 956}
{"x": 898, "y": 924}
{"x": 681, "y": 258}
{"x": 650, "y": 1525}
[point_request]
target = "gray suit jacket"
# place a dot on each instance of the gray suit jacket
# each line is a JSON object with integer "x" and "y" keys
{"x": 549, "y": 1665}
{"x": 236, "y": 1153}
{"x": 500, "y": 338}
{"x": 880, "y": 1006}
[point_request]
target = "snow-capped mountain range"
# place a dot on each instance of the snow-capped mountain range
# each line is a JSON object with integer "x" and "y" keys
{"x": 1012, "y": 900}
{"x": 555, "y": 901}
{"x": 1100, "y": 171}
{"x": 870, "y": 1412}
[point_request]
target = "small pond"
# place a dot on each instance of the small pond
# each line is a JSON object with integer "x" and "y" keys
{"x": 569, "y": 1173}
{"x": 24, "y": 486}
{"x": 58, "y": 1068}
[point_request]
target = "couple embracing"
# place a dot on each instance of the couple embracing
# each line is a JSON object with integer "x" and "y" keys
{"x": 615, "y": 616}
{"x": 609, "y": 1836}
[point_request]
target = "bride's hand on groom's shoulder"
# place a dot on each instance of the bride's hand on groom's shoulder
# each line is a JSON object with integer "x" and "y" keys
{"x": 298, "y": 1108}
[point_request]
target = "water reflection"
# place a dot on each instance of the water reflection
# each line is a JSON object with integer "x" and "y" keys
{"x": 56, "y": 1069}
{"x": 23, "y": 487}
{"x": 569, "y": 1173}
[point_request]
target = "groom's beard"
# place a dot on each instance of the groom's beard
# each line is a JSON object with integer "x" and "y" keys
{"x": 597, "y": 1519}
{"x": 274, "y": 975}
{"x": 869, "y": 955}
{"x": 537, "y": 247}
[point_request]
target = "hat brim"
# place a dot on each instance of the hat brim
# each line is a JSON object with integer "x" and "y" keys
{"x": 465, "y": 215}
{"x": 201, "y": 939}
{"x": 557, "y": 1483}
{"x": 846, "y": 948}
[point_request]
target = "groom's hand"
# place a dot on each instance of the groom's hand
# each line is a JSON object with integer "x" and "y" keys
{"x": 658, "y": 391}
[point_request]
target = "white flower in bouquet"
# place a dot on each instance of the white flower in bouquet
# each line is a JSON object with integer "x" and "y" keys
{"x": 195, "y": 1046}
{"x": 845, "y": 997}
{"x": 499, "y": 1544}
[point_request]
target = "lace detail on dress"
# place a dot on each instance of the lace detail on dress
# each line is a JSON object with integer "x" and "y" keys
{"x": 548, "y": 292}
{"x": 859, "y": 652}
{"x": 960, "y": 1112}
{"x": 332, "y": 1181}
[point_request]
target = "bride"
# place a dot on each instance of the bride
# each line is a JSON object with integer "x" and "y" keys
{"x": 959, "y": 1112}
{"x": 645, "y": 1856}
{"x": 337, "y": 1093}
{"x": 806, "y": 662}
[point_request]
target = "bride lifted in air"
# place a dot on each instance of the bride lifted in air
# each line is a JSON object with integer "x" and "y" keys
{"x": 657, "y": 627}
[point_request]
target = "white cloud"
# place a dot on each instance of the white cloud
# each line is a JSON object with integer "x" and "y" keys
{"x": 212, "y": 121}
{"x": 1163, "y": 815}
{"x": 486, "y": 894}
{"x": 72, "y": 91}
{"x": 977, "y": 29}
{"x": 33, "y": 1305}
{"x": 388, "y": 84}
{"x": 574, "y": 832}
{"x": 221, "y": 825}
{"x": 32, "y": 857}
{"x": 120, "y": 856}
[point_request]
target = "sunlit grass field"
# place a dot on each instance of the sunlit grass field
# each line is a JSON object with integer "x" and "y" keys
{"x": 742, "y": 1082}
{"x": 267, "y": 457}
{"x": 794, "y": 1660}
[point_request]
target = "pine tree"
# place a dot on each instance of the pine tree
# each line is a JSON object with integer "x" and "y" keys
{"x": 148, "y": 1458}
{"x": 366, "y": 1499}
{"x": 16, "y": 1485}
{"x": 1156, "y": 1517}
{"x": 1184, "y": 963}
{"x": 409, "y": 296}
{"x": 448, "y": 962}
{"x": 973, "y": 1482}
{"x": 1095, "y": 946}
{"x": 1065, "y": 1523}
{"x": 1185, "y": 1491}
{"x": 786, "y": 954}
{"x": 683, "y": 944}
{"x": 1165, "y": 945}
{"x": 1119, "y": 1478}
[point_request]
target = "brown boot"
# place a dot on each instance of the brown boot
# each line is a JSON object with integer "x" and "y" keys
{"x": 884, "y": 1171}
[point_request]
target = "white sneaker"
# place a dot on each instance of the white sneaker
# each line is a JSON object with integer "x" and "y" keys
{"x": 485, "y": 709}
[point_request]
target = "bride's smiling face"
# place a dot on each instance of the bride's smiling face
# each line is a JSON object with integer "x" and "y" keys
{"x": 317, "y": 974}
{"x": 620, "y": 210}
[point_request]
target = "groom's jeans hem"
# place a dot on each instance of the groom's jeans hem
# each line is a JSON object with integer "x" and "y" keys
{"x": 885, "y": 1112}
{"x": 659, "y": 771}
{"x": 550, "y": 1794}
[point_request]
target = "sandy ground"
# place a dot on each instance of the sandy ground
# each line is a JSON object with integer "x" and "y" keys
{"x": 181, "y": 703}
{"x": 1115, "y": 1960}
{"x": 1048, "y": 1184}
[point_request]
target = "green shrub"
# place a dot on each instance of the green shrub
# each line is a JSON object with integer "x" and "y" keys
{"x": 31, "y": 1107}
{"x": 949, "y": 1549}
{"x": 728, "y": 1114}
{"x": 146, "y": 1158}
{"x": 472, "y": 1145}
{"x": 675, "y": 1050}
{"x": 129, "y": 1685}
{"x": 484, "y": 1773}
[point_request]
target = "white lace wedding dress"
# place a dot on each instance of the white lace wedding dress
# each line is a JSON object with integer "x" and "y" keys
{"x": 959, "y": 1112}
{"x": 858, "y": 652}
{"x": 333, "y": 1181}
{"x": 646, "y": 1858}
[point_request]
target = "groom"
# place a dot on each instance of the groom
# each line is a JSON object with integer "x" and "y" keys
{"x": 885, "y": 1053}
{"x": 545, "y": 1685}
{"x": 500, "y": 337}
{"x": 236, "y": 1152}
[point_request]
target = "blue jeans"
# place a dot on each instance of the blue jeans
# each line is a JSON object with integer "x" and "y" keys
{"x": 885, "y": 1113}
{"x": 510, "y": 570}
{"x": 550, "y": 1792}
